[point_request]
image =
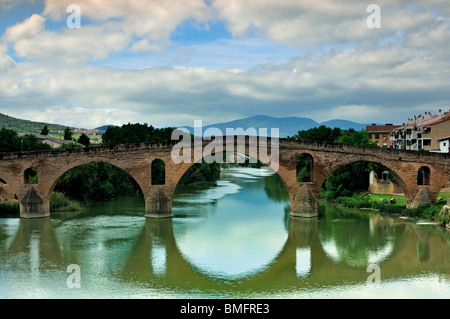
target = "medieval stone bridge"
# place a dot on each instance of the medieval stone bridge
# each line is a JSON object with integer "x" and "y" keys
{"x": 137, "y": 159}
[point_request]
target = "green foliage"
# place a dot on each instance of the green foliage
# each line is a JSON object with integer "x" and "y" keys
{"x": 275, "y": 189}
{"x": 201, "y": 172}
{"x": 321, "y": 134}
{"x": 45, "y": 130}
{"x": 136, "y": 133}
{"x": 353, "y": 137}
{"x": 303, "y": 165}
{"x": 68, "y": 134}
{"x": 10, "y": 141}
{"x": 34, "y": 177}
{"x": 158, "y": 172}
{"x": 60, "y": 202}
{"x": 70, "y": 146}
{"x": 32, "y": 143}
{"x": 84, "y": 139}
{"x": 347, "y": 180}
{"x": 25, "y": 126}
{"x": 9, "y": 209}
{"x": 96, "y": 182}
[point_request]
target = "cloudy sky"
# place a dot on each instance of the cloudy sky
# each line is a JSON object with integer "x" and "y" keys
{"x": 170, "y": 62}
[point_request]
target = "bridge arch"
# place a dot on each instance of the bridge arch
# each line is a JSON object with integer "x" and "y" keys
{"x": 62, "y": 172}
{"x": 304, "y": 167}
{"x": 158, "y": 170}
{"x": 31, "y": 176}
{"x": 423, "y": 175}
{"x": 180, "y": 170}
{"x": 400, "y": 177}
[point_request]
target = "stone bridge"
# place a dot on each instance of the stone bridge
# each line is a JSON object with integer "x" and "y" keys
{"x": 137, "y": 159}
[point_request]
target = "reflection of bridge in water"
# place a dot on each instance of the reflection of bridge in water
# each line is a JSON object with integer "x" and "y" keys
{"x": 304, "y": 261}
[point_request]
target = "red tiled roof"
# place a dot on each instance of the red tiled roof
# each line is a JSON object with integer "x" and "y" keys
{"x": 380, "y": 128}
{"x": 438, "y": 121}
{"x": 444, "y": 138}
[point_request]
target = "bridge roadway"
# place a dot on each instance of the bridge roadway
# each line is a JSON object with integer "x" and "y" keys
{"x": 280, "y": 154}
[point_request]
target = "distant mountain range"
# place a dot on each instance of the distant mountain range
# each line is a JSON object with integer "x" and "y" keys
{"x": 288, "y": 126}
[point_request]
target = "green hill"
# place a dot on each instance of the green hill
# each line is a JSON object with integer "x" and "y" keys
{"x": 25, "y": 126}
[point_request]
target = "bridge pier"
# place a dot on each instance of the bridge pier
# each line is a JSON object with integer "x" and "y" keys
{"x": 424, "y": 195}
{"x": 159, "y": 203}
{"x": 304, "y": 202}
{"x": 33, "y": 206}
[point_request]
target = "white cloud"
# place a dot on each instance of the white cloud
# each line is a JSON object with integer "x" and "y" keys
{"x": 25, "y": 30}
{"x": 372, "y": 75}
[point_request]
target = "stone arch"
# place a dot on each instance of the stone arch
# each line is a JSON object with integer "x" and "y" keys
{"x": 304, "y": 167}
{"x": 180, "y": 169}
{"x": 119, "y": 164}
{"x": 394, "y": 171}
{"x": 423, "y": 175}
{"x": 158, "y": 172}
{"x": 31, "y": 176}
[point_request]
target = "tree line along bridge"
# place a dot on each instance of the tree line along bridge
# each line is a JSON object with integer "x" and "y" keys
{"x": 137, "y": 160}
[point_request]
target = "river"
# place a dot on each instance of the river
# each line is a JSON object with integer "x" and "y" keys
{"x": 232, "y": 240}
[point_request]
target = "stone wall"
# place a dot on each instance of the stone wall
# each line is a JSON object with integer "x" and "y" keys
{"x": 6, "y": 194}
{"x": 385, "y": 187}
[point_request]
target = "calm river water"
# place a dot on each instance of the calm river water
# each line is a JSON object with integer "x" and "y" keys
{"x": 233, "y": 240}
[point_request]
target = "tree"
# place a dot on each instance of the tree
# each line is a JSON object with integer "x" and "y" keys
{"x": 68, "y": 134}
{"x": 321, "y": 134}
{"x": 45, "y": 130}
{"x": 136, "y": 133}
{"x": 84, "y": 139}
{"x": 10, "y": 141}
{"x": 30, "y": 142}
{"x": 353, "y": 137}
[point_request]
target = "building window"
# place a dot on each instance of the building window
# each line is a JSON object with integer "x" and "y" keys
{"x": 426, "y": 142}
{"x": 377, "y": 136}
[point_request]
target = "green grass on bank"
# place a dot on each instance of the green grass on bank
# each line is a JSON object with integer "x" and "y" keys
{"x": 372, "y": 201}
{"x": 61, "y": 203}
{"x": 444, "y": 195}
{"x": 58, "y": 203}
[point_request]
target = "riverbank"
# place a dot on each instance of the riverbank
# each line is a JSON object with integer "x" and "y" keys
{"x": 382, "y": 203}
{"x": 58, "y": 203}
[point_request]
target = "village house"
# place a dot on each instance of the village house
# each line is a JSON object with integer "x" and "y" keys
{"x": 422, "y": 132}
{"x": 381, "y": 134}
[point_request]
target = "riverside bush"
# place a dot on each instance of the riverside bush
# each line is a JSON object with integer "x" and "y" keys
{"x": 60, "y": 202}
{"x": 9, "y": 208}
